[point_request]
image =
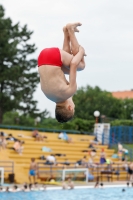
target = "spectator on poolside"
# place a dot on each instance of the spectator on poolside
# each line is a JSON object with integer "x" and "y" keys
{"x": 43, "y": 187}
{"x": 18, "y": 146}
{"x": 1, "y": 141}
{"x": 95, "y": 141}
{"x": 37, "y": 136}
{"x": 130, "y": 171}
{"x": 15, "y": 187}
{"x": 33, "y": 170}
{"x": 101, "y": 185}
{"x": 61, "y": 136}
{"x": 120, "y": 151}
{"x": 102, "y": 156}
{"x": 50, "y": 160}
{"x": 59, "y": 154}
{"x": 11, "y": 138}
{"x": 7, "y": 189}
{"x": 96, "y": 185}
{"x": 66, "y": 163}
{"x": 4, "y": 143}
{"x": 90, "y": 177}
{"x": 70, "y": 183}
{"x": 82, "y": 162}
{"x": 109, "y": 164}
{"x": 93, "y": 153}
{"x": 64, "y": 185}
{"x": 125, "y": 164}
{"x": 91, "y": 163}
{"x": 125, "y": 152}
{"x": 30, "y": 186}
{"x": 35, "y": 186}
{"x": 128, "y": 184}
{"x": 26, "y": 189}
{"x": 64, "y": 136}
{"x": 120, "y": 147}
{"x": 91, "y": 146}
{"x": 67, "y": 138}
{"x": 3, "y": 134}
{"x": 23, "y": 187}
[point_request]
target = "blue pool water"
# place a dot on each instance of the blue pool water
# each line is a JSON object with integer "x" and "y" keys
{"x": 77, "y": 194}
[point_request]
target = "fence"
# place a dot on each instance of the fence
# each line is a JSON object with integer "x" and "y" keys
{"x": 119, "y": 134}
{"x": 123, "y": 134}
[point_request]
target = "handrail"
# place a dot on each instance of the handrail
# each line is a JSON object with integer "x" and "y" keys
{"x": 99, "y": 169}
{"x": 2, "y": 164}
{"x": 43, "y": 129}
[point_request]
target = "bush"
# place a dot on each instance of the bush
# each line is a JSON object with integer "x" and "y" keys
{"x": 122, "y": 122}
{"x": 80, "y": 125}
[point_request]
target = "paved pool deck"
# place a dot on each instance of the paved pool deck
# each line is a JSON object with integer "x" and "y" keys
{"x": 79, "y": 184}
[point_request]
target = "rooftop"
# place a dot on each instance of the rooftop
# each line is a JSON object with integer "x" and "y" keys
{"x": 128, "y": 94}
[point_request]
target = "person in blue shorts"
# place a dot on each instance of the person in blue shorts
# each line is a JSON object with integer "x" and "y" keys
{"x": 33, "y": 170}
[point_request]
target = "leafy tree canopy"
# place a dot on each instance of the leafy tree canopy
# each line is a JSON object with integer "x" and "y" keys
{"x": 89, "y": 99}
{"x": 18, "y": 77}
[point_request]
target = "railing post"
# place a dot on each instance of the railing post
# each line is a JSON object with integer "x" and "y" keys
{"x": 130, "y": 135}
{"x": 119, "y": 134}
{"x": 51, "y": 169}
{"x": 103, "y": 139}
{"x": 12, "y": 167}
{"x": 110, "y": 137}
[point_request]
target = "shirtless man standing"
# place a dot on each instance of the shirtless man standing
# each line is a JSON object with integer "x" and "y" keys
{"x": 53, "y": 64}
{"x": 33, "y": 170}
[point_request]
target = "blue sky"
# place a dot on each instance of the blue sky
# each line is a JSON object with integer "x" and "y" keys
{"x": 106, "y": 35}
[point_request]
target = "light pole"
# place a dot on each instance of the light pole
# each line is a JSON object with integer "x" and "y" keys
{"x": 96, "y": 114}
{"x": 37, "y": 120}
{"x": 131, "y": 116}
{"x": 125, "y": 108}
{"x": 103, "y": 118}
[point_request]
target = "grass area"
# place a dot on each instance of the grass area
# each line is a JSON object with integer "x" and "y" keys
{"x": 129, "y": 146}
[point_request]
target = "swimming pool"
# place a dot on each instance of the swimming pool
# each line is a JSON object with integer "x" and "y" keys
{"x": 76, "y": 194}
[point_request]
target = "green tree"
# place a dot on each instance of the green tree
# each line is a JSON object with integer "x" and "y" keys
{"x": 15, "y": 118}
{"x": 18, "y": 79}
{"x": 88, "y": 99}
{"x": 10, "y": 118}
{"x": 127, "y": 105}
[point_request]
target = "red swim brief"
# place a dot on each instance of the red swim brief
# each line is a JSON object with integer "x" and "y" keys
{"x": 50, "y": 56}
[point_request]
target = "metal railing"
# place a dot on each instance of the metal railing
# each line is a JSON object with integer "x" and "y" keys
{"x": 8, "y": 166}
{"x": 108, "y": 171}
{"x": 43, "y": 129}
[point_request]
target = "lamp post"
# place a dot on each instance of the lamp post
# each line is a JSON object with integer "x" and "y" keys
{"x": 96, "y": 114}
{"x": 103, "y": 118}
{"x": 37, "y": 120}
{"x": 131, "y": 116}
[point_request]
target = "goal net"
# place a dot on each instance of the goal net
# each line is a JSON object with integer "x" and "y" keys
{"x": 74, "y": 173}
{"x": 1, "y": 175}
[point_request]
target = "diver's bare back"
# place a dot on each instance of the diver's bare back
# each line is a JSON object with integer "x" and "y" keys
{"x": 53, "y": 82}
